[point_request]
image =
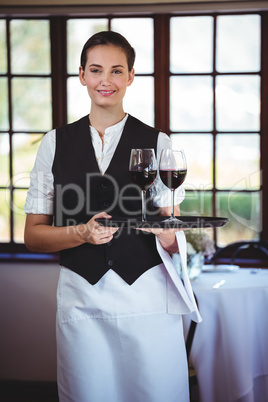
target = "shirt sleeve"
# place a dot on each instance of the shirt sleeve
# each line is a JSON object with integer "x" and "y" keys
{"x": 160, "y": 194}
{"x": 40, "y": 195}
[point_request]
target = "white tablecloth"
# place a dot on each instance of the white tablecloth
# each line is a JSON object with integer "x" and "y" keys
{"x": 230, "y": 347}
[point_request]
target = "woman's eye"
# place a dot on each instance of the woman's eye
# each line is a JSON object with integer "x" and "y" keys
{"x": 117, "y": 71}
{"x": 95, "y": 70}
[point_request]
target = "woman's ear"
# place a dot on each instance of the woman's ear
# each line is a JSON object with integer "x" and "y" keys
{"x": 131, "y": 75}
{"x": 82, "y": 76}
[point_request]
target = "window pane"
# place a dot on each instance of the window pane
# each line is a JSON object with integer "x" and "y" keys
{"x": 4, "y": 216}
{"x": 243, "y": 210}
{"x": 197, "y": 203}
{"x": 191, "y": 44}
{"x": 238, "y": 43}
{"x": 198, "y": 150}
{"x": 25, "y": 147}
{"x": 238, "y": 161}
{"x": 78, "y": 101}
{"x": 139, "y": 99}
{"x": 3, "y": 47}
{"x": 30, "y": 47}
{"x": 31, "y": 104}
{"x": 140, "y": 34}
{"x": 78, "y": 32}
{"x": 19, "y": 215}
{"x": 238, "y": 103}
{"x": 4, "y": 159}
{"x": 4, "y": 125}
{"x": 191, "y": 103}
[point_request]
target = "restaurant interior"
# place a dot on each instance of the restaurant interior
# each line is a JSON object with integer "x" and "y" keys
{"x": 204, "y": 68}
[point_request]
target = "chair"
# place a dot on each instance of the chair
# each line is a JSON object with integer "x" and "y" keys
{"x": 193, "y": 382}
{"x": 244, "y": 253}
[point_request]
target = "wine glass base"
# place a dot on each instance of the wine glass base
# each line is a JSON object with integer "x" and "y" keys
{"x": 172, "y": 220}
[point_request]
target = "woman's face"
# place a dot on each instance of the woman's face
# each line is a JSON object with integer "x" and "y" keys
{"x": 106, "y": 75}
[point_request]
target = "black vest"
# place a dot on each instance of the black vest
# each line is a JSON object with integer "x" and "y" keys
{"x": 81, "y": 191}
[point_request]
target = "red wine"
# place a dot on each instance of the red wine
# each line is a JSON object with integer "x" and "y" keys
{"x": 173, "y": 178}
{"x": 143, "y": 178}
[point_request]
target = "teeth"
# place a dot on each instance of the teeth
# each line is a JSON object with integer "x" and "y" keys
{"x": 106, "y": 92}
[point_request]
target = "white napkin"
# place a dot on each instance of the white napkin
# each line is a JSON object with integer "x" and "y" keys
{"x": 187, "y": 301}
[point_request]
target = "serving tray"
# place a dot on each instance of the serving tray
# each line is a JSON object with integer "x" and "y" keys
{"x": 186, "y": 222}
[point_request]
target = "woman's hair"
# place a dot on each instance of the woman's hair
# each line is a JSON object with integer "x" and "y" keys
{"x": 108, "y": 38}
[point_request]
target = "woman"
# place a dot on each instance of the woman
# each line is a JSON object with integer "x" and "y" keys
{"x": 120, "y": 300}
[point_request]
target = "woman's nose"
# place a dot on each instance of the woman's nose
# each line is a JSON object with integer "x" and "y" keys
{"x": 106, "y": 79}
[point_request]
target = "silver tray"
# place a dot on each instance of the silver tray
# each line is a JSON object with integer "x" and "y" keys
{"x": 187, "y": 222}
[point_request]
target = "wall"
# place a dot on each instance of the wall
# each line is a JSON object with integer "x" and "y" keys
{"x": 71, "y": 7}
{"x": 27, "y": 317}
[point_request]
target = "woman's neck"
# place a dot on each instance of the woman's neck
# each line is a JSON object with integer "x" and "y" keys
{"x": 101, "y": 119}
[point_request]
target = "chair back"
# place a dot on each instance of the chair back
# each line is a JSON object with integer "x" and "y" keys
{"x": 244, "y": 253}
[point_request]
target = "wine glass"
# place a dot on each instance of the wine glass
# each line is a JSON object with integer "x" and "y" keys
{"x": 143, "y": 169}
{"x": 172, "y": 171}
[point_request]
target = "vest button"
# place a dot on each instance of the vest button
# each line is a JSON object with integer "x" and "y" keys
{"x": 104, "y": 186}
{"x": 111, "y": 263}
{"x": 109, "y": 244}
{"x": 106, "y": 204}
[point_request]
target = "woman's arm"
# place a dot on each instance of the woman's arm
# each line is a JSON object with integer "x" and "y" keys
{"x": 41, "y": 236}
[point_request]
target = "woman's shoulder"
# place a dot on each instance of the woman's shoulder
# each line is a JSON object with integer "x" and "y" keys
{"x": 48, "y": 139}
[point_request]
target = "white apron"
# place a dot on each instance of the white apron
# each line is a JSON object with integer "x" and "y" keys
{"x": 119, "y": 343}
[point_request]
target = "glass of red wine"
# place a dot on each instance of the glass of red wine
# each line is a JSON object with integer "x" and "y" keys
{"x": 143, "y": 169}
{"x": 172, "y": 171}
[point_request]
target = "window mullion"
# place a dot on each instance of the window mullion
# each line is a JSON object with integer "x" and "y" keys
{"x": 10, "y": 118}
{"x": 264, "y": 122}
{"x": 161, "y": 71}
{"x": 214, "y": 132}
{"x": 58, "y": 70}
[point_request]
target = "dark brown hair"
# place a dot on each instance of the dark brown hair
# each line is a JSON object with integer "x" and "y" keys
{"x": 108, "y": 38}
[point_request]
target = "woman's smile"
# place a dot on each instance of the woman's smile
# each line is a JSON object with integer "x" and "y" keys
{"x": 104, "y": 92}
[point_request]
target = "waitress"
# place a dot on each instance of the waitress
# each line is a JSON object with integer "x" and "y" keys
{"x": 119, "y": 299}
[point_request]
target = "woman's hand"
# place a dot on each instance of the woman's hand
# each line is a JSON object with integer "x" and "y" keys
{"x": 94, "y": 233}
{"x": 166, "y": 236}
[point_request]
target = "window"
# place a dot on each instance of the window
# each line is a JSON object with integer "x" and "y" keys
{"x": 215, "y": 81}
{"x": 206, "y": 95}
{"x": 25, "y": 81}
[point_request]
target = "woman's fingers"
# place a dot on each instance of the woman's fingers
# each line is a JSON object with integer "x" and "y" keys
{"x": 98, "y": 234}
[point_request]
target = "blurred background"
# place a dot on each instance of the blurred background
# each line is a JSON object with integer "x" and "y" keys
{"x": 198, "y": 78}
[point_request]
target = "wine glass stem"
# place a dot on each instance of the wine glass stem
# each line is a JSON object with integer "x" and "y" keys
{"x": 143, "y": 205}
{"x": 172, "y": 203}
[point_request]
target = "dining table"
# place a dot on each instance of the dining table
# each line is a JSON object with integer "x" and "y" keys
{"x": 230, "y": 346}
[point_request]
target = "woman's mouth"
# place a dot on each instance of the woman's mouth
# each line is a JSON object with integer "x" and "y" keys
{"x": 106, "y": 93}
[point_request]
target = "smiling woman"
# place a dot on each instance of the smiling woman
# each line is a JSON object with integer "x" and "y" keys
{"x": 109, "y": 270}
